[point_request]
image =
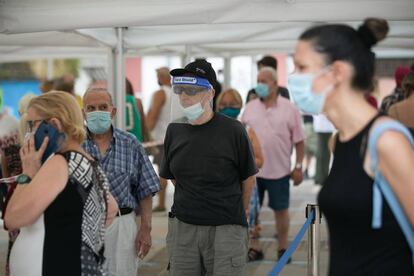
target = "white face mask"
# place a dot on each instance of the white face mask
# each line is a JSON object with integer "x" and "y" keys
{"x": 309, "y": 101}
{"x": 193, "y": 112}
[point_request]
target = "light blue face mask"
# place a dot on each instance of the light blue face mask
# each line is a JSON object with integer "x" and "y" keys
{"x": 300, "y": 87}
{"x": 193, "y": 112}
{"x": 98, "y": 122}
{"x": 262, "y": 90}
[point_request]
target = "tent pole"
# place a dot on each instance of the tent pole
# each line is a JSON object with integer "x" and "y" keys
{"x": 120, "y": 79}
{"x": 111, "y": 71}
{"x": 186, "y": 58}
{"x": 253, "y": 71}
{"x": 227, "y": 72}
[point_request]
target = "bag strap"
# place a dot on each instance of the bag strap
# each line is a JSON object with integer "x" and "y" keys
{"x": 382, "y": 186}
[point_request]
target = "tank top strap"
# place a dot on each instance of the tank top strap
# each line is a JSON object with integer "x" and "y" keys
{"x": 364, "y": 143}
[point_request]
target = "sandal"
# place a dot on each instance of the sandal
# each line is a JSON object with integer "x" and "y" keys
{"x": 255, "y": 255}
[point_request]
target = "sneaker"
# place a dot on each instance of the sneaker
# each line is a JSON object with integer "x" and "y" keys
{"x": 158, "y": 209}
{"x": 280, "y": 254}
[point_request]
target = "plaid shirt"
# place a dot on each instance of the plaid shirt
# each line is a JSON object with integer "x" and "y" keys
{"x": 127, "y": 167}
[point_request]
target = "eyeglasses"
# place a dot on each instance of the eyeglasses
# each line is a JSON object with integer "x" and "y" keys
{"x": 190, "y": 90}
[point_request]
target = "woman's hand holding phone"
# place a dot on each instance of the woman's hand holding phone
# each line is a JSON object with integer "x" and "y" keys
{"x": 31, "y": 158}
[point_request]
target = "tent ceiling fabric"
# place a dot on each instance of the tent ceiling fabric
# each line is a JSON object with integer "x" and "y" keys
{"x": 210, "y": 28}
{"x": 238, "y": 39}
{"x": 22, "y": 16}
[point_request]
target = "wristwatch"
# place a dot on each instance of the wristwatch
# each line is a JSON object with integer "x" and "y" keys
{"x": 23, "y": 179}
{"x": 298, "y": 166}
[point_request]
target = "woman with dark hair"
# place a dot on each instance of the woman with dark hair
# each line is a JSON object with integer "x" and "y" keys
{"x": 334, "y": 69}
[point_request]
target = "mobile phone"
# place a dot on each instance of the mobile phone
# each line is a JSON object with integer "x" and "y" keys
{"x": 56, "y": 138}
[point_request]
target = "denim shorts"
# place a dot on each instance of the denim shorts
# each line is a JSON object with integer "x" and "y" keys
{"x": 278, "y": 191}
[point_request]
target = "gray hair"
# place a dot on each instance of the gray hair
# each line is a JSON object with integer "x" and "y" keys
{"x": 97, "y": 90}
{"x": 271, "y": 70}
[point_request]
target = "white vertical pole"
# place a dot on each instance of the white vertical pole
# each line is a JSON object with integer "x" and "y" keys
{"x": 111, "y": 71}
{"x": 253, "y": 71}
{"x": 186, "y": 58}
{"x": 227, "y": 72}
{"x": 120, "y": 79}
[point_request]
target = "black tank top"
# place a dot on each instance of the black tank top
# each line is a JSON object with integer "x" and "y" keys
{"x": 346, "y": 203}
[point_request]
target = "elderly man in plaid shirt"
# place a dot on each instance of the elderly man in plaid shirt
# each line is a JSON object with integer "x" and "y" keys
{"x": 132, "y": 180}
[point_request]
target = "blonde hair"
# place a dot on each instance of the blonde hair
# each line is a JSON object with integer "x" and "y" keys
{"x": 23, "y": 103}
{"x": 64, "y": 107}
{"x": 231, "y": 91}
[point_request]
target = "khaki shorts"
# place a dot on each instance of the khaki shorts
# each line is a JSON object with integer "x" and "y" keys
{"x": 206, "y": 250}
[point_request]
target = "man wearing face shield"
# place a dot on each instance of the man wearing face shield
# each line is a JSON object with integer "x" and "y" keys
{"x": 209, "y": 159}
{"x": 132, "y": 181}
{"x": 278, "y": 125}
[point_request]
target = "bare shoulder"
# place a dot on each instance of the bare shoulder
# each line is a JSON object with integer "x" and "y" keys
{"x": 56, "y": 163}
{"x": 53, "y": 173}
{"x": 390, "y": 141}
{"x": 159, "y": 97}
{"x": 159, "y": 93}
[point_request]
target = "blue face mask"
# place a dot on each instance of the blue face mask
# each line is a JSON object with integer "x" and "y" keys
{"x": 300, "y": 87}
{"x": 98, "y": 122}
{"x": 193, "y": 112}
{"x": 262, "y": 90}
{"x": 231, "y": 112}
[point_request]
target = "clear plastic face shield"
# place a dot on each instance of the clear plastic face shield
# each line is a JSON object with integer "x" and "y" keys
{"x": 191, "y": 100}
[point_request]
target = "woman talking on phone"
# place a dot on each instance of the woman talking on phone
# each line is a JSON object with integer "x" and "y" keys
{"x": 61, "y": 203}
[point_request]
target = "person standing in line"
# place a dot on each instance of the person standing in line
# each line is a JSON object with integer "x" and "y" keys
{"x": 310, "y": 143}
{"x": 404, "y": 111}
{"x": 398, "y": 94}
{"x": 334, "y": 69}
{"x": 278, "y": 125}
{"x": 323, "y": 129}
{"x": 229, "y": 103}
{"x": 132, "y": 181}
{"x": 267, "y": 61}
{"x": 157, "y": 120}
{"x": 209, "y": 158}
{"x": 134, "y": 120}
{"x": 61, "y": 203}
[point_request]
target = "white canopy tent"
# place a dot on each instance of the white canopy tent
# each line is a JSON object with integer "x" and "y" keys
{"x": 23, "y": 16}
{"x": 188, "y": 28}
